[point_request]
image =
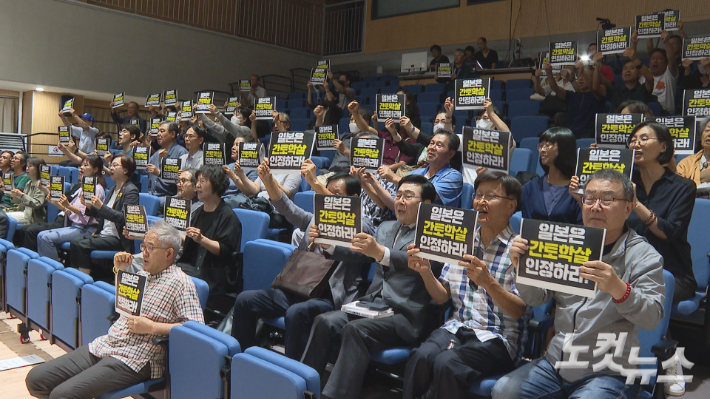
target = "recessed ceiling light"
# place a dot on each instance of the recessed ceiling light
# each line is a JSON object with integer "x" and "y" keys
{"x": 39, "y": 88}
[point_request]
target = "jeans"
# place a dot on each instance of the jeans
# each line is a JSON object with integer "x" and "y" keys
{"x": 48, "y": 241}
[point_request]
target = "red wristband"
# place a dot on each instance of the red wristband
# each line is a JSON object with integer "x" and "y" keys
{"x": 623, "y": 298}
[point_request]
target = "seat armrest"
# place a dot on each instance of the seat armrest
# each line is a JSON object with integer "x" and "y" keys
{"x": 664, "y": 349}
{"x": 542, "y": 323}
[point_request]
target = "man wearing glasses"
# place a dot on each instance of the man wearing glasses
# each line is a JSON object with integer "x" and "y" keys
{"x": 630, "y": 296}
{"x": 484, "y": 333}
{"x": 127, "y": 355}
{"x": 395, "y": 285}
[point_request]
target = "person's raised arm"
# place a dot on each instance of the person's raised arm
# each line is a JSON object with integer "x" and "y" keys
{"x": 310, "y": 96}
{"x": 497, "y": 122}
{"x": 72, "y": 156}
{"x": 649, "y": 44}
{"x": 559, "y": 91}
{"x": 681, "y": 31}
{"x": 672, "y": 54}
{"x": 272, "y": 186}
{"x": 252, "y": 118}
{"x": 79, "y": 120}
{"x": 439, "y": 292}
{"x": 336, "y": 83}
{"x": 318, "y": 112}
{"x": 243, "y": 183}
{"x": 536, "y": 82}
{"x": 308, "y": 171}
{"x": 359, "y": 120}
{"x": 597, "y": 85}
{"x": 449, "y": 118}
{"x": 64, "y": 120}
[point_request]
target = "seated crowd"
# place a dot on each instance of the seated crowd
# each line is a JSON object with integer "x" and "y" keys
{"x": 646, "y": 219}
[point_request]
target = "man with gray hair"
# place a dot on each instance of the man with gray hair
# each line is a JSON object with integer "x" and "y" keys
{"x": 127, "y": 355}
{"x": 630, "y": 296}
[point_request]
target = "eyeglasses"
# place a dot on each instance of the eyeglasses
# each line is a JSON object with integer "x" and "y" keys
{"x": 546, "y": 145}
{"x": 149, "y": 248}
{"x": 643, "y": 140}
{"x": 606, "y": 200}
{"x": 437, "y": 144}
{"x": 489, "y": 197}
{"x": 407, "y": 196}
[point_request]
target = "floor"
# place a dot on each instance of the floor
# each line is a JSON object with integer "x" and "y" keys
{"x": 376, "y": 386}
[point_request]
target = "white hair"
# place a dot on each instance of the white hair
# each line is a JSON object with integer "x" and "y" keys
{"x": 166, "y": 235}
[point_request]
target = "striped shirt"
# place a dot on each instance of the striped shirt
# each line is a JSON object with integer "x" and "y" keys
{"x": 170, "y": 297}
{"x": 475, "y": 309}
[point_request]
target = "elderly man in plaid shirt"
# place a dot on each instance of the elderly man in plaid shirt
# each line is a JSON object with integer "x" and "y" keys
{"x": 127, "y": 355}
{"x": 484, "y": 333}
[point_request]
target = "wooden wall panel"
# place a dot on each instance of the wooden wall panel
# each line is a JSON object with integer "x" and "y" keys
{"x": 492, "y": 20}
{"x": 45, "y": 119}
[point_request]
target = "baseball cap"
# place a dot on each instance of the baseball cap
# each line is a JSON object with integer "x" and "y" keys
{"x": 87, "y": 117}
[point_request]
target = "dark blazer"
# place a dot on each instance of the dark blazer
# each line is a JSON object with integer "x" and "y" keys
{"x": 566, "y": 210}
{"x": 400, "y": 287}
{"x": 127, "y": 195}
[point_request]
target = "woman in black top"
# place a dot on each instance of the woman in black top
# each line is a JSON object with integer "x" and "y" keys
{"x": 215, "y": 233}
{"x": 664, "y": 204}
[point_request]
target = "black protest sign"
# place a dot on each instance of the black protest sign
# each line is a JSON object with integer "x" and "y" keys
{"x": 130, "y": 289}
{"x": 154, "y": 126}
{"x": 213, "y": 154}
{"x": 650, "y": 25}
{"x": 563, "y": 53}
{"x": 250, "y": 155}
{"x": 141, "y": 154}
{"x": 613, "y": 41}
{"x": 44, "y": 172}
{"x": 56, "y": 188}
{"x": 445, "y": 234}
{"x": 544, "y": 58}
{"x": 670, "y": 19}
{"x": 288, "y": 150}
{"x": 117, "y": 100}
{"x": 102, "y": 145}
{"x": 318, "y": 76}
{"x": 391, "y": 106}
{"x": 325, "y": 135}
{"x": 170, "y": 97}
{"x": 88, "y": 186}
{"x": 68, "y": 105}
{"x": 338, "y": 218}
{"x": 178, "y": 212}
{"x": 136, "y": 219}
{"x": 264, "y": 107}
{"x": 64, "y": 135}
{"x": 245, "y": 85}
{"x": 696, "y": 103}
{"x": 8, "y": 183}
{"x": 471, "y": 93}
{"x": 443, "y": 70}
{"x": 591, "y": 160}
{"x": 486, "y": 148}
{"x": 169, "y": 169}
{"x": 152, "y": 100}
{"x": 170, "y": 117}
{"x": 232, "y": 105}
{"x": 683, "y": 129}
{"x": 555, "y": 253}
{"x": 204, "y": 100}
{"x": 614, "y": 130}
{"x": 366, "y": 153}
{"x": 186, "y": 111}
{"x": 323, "y": 64}
{"x": 696, "y": 48}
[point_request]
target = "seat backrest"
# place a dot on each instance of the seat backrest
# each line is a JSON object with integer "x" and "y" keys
{"x": 515, "y": 221}
{"x": 520, "y": 161}
{"x": 255, "y": 225}
{"x": 66, "y": 291}
{"x": 15, "y": 278}
{"x": 304, "y": 200}
{"x": 203, "y": 291}
{"x": 11, "y": 227}
{"x": 528, "y": 126}
{"x": 308, "y": 374}
{"x": 467, "y": 196}
{"x": 585, "y": 142}
{"x": 648, "y": 338}
{"x": 198, "y": 353}
{"x": 150, "y": 202}
{"x": 260, "y": 374}
{"x": 97, "y": 304}
{"x": 39, "y": 278}
{"x": 699, "y": 243}
{"x": 522, "y": 107}
{"x": 263, "y": 261}
{"x": 514, "y": 84}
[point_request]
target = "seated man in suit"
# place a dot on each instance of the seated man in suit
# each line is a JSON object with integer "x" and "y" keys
{"x": 485, "y": 331}
{"x": 299, "y": 311}
{"x": 127, "y": 355}
{"x": 394, "y": 285}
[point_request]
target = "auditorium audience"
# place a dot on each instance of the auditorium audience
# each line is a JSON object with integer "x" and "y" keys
{"x": 629, "y": 296}
{"x": 327, "y": 112}
{"x": 542, "y": 87}
{"x": 229, "y": 169}
{"x": 77, "y": 223}
{"x": 485, "y": 332}
{"x": 582, "y": 105}
{"x": 257, "y": 90}
{"x": 85, "y": 132}
{"x": 635, "y": 107}
{"x": 5, "y": 167}
{"x": 215, "y": 232}
{"x": 607, "y": 76}
{"x": 394, "y": 285}
{"x": 547, "y": 197}
{"x": 19, "y": 168}
{"x": 238, "y": 125}
{"x": 343, "y": 285}
{"x": 341, "y": 88}
{"x": 128, "y": 354}
{"x": 460, "y": 70}
{"x": 195, "y": 136}
{"x": 664, "y": 67}
{"x": 486, "y": 56}
{"x": 29, "y": 203}
{"x": 438, "y": 57}
{"x": 132, "y": 118}
{"x": 631, "y": 74}
{"x": 358, "y": 126}
{"x": 167, "y": 134}
{"x": 695, "y": 167}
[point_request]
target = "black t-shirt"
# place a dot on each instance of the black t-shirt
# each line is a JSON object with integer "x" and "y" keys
{"x": 443, "y": 59}
{"x": 486, "y": 62}
{"x": 618, "y": 94}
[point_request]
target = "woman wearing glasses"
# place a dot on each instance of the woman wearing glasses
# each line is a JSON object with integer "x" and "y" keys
{"x": 697, "y": 167}
{"x": 548, "y": 197}
{"x": 664, "y": 204}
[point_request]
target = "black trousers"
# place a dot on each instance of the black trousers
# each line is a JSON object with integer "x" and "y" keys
{"x": 26, "y": 236}
{"x": 80, "y": 249}
{"x": 359, "y": 338}
{"x": 448, "y": 372}
{"x": 298, "y": 313}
